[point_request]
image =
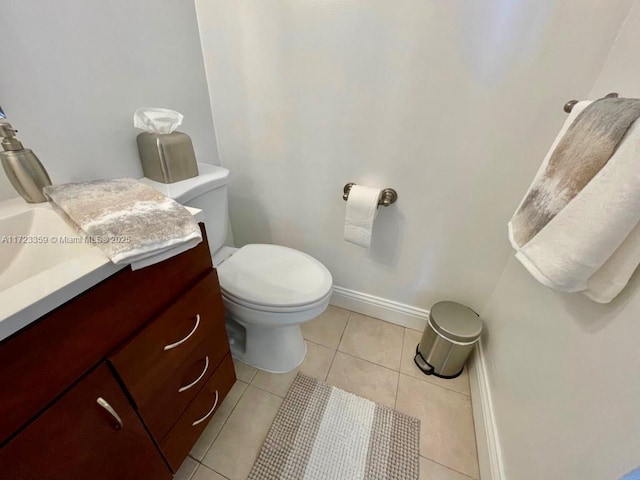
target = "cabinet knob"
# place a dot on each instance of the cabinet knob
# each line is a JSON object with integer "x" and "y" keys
{"x": 104, "y": 404}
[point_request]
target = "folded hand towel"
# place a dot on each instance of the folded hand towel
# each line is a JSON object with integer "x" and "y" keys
{"x": 572, "y": 230}
{"x": 129, "y": 221}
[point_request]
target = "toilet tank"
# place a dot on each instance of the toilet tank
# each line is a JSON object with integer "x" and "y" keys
{"x": 208, "y": 192}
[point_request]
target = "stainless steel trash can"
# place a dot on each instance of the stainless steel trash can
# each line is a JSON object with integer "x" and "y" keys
{"x": 448, "y": 339}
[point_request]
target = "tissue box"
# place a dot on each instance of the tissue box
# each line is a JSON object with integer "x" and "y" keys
{"x": 167, "y": 157}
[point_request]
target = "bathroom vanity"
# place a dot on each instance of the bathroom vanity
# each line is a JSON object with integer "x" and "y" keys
{"x": 120, "y": 381}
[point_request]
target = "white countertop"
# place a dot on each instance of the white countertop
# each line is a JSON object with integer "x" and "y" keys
{"x": 68, "y": 268}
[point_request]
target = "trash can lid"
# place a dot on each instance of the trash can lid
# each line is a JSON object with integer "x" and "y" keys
{"x": 455, "y": 322}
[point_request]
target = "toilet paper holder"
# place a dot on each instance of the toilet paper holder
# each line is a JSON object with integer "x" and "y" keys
{"x": 387, "y": 196}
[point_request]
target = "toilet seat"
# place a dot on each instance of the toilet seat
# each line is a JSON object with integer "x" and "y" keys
{"x": 276, "y": 309}
{"x": 273, "y": 278}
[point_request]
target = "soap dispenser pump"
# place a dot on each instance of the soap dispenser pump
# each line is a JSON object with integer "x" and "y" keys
{"x": 25, "y": 172}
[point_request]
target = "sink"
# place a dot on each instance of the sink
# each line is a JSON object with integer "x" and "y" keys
{"x": 43, "y": 263}
{"x": 33, "y": 241}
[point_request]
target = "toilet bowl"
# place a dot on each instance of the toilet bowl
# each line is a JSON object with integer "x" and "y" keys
{"x": 268, "y": 291}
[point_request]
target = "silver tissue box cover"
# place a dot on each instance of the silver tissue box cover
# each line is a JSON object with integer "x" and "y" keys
{"x": 168, "y": 157}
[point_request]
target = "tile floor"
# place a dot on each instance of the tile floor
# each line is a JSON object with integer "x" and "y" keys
{"x": 360, "y": 354}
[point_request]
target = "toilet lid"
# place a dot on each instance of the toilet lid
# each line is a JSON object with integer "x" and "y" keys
{"x": 275, "y": 276}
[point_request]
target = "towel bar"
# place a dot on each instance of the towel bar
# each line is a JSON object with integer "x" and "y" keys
{"x": 387, "y": 196}
{"x": 569, "y": 105}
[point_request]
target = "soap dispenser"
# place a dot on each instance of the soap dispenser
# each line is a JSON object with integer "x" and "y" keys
{"x": 24, "y": 170}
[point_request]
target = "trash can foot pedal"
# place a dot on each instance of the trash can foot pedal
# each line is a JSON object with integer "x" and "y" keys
{"x": 427, "y": 369}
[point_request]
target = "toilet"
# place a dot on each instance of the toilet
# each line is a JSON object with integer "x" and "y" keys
{"x": 268, "y": 290}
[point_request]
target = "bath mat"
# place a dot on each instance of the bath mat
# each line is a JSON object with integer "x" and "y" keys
{"x": 322, "y": 433}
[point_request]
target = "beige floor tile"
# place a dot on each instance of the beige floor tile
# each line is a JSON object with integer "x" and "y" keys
{"x": 204, "y": 473}
{"x": 446, "y": 423}
{"x": 316, "y": 364}
{"x": 244, "y": 372}
{"x": 373, "y": 340}
{"x": 237, "y": 446}
{"x": 218, "y": 420}
{"x": 327, "y": 329}
{"x": 408, "y": 366}
{"x": 186, "y": 470}
{"x": 434, "y": 471}
{"x": 364, "y": 378}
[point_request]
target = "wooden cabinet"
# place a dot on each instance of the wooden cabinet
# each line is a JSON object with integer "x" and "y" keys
{"x": 58, "y": 349}
{"x": 162, "y": 331}
{"x": 76, "y": 438}
{"x": 165, "y": 365}
{"x": 184, "y": 434}
{"x": 178, "y": 369}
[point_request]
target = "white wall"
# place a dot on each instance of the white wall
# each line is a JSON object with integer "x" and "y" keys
{"x": 452, "y": 103}
{"x": 563, "y": 371}
{"x": 73, "y": 72}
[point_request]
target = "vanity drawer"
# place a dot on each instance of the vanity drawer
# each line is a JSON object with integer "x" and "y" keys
{"x": 39, "y": 362}
{"x": 171, "y": 399}
{"x": 184, "y": 434}
{"x": 171, "y": 342}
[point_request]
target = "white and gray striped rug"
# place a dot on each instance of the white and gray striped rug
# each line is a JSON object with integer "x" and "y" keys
{"x": 322, "y": 433}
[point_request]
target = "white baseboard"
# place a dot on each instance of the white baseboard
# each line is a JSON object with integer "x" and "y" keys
{"x": 388, "y": 310}
{"x": 489, "y": 453}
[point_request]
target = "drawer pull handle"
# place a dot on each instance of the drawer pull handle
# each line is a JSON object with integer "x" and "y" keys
{"x": 206, "y": 367}
{"x": 104, "y": 404}
{"x": 180, "y": 342}
{"x": 208, "y": 413}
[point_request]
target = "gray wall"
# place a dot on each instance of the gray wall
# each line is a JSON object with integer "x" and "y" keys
{"x": 450, "y": 102}
{"x": 74, "y": 71}
{"x": 562, "y": 370}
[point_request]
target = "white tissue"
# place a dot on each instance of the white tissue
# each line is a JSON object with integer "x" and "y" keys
{"x": 362, "y": 208}
{"x": 157, "y": 120}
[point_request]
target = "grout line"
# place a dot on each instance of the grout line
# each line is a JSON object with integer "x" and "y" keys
{"x": 195, "y": 469}
{"x": 395, "y": 403}
{"x": 370, "y": 362}
{"x": 381, "y": 320}
{"x": 475, "y": 433}
{"x": 354, "y": 356}
{"x": 223, "y": 423}
{"x": 346, "y": 324}
{"x": 238, "y": 361}
{"x": 214, "y": 471}
{"x": 333, "y": 359}
{"x": 318, "y": 344}
{"x": 395, "y": 400}
{"x": 448, "y": 467}
{"x": 267, "y": 391}
{"x": 467, "y": 396}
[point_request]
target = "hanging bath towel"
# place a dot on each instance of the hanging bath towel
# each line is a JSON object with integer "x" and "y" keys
{"x": 577, "y": 228}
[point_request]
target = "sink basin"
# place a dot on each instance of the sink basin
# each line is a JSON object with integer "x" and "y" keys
{"x": 43, "y": 263}
{"x": 33, "y": 241}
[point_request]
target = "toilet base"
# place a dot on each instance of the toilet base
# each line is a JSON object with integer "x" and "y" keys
{"x": 272, "y": 349}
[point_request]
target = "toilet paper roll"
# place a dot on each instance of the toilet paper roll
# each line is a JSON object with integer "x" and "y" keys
{"x": 362, "y": 208}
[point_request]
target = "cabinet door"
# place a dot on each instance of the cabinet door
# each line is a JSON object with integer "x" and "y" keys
{"x": 78, "y": 438}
